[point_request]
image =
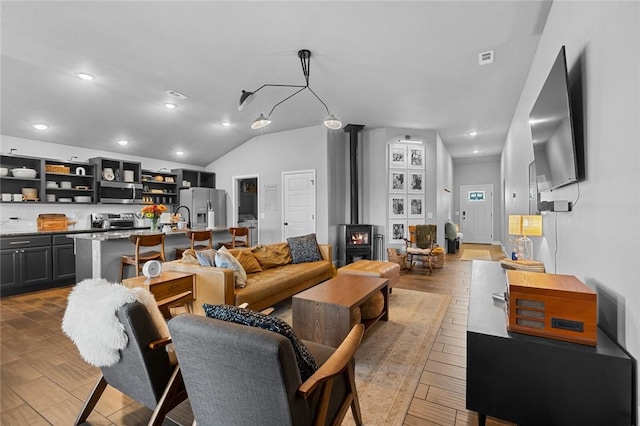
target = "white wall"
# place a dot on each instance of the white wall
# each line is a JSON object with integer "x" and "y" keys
{"x": 479, "y": 171}
{"x": 445, "y": 188}
{"x": 597, "y": 241}
{"x": 28, "y": 212}
{"x": 268, "y": 156}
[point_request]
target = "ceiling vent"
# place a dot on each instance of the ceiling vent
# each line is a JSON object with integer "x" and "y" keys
{"x": 485, "y": 58}
{"x": 176, "y": 94}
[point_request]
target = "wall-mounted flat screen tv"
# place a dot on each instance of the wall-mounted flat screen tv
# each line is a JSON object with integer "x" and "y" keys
{"x": 552, "y": 131}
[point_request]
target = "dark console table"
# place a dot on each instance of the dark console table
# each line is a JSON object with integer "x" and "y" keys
{"x": 536, "y": 381}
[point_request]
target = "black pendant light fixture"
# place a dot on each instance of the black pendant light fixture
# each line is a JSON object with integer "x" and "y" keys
{"x": 305, "y": 60}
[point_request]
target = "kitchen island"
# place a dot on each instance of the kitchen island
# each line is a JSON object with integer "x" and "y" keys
{"x": 98, "y": 253}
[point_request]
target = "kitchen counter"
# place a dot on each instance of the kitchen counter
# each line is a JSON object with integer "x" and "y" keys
{"x": 17, "y": 232}
{"x": 119, "y": 235}
{"x": 98, "y": 253}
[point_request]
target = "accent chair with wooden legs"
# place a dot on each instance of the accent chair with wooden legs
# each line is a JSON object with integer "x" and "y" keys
{"x": 144, "y": 372}
{"x": 236, "y": 374}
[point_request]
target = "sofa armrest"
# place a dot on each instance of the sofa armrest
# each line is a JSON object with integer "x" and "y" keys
{"x": 214, "y": 286}
{"x": 326, "y": 252}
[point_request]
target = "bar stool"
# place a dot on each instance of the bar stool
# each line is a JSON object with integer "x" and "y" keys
{"x": 197, "y": 236}
{"x": 138, "y": 259}
{"x": 237, "y": 232}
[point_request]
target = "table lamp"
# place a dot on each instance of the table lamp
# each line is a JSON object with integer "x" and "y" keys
{"x": 532, "y": 226}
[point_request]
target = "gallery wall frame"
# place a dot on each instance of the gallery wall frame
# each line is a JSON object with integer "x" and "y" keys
{"x": 398, "y": 231}
{"x": 415, "y": 182}
{"x": 397, "y": 206}
{"x": 398, "y": 181}
{"x": 415, "y": 207}
{"x": 415, "y": 157}
{"x": 398, "y": 156}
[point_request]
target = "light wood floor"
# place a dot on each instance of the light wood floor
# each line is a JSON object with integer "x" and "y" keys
{"x": 440, "y": 396}
{"x": 43, "y": 380}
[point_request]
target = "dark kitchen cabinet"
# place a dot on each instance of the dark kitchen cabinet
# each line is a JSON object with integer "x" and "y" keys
{"x": 26, "y": 263}
{"x": 36, "y": 262}
{"x": 64, "y": 259}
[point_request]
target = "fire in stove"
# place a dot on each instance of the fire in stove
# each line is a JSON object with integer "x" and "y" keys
{"x": 359, "y": 238}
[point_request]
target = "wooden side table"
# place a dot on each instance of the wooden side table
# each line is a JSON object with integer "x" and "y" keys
{"x": 170, "y": 289}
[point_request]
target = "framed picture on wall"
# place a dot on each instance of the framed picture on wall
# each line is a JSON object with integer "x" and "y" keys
{"x": 415, "y": 206}
{"x": 415, "y": 182}
{"x": 416, "y": 157}
{"x": 397, "y": 206}
{"x": 398, "y": 181}
{"x": 397, "y": 231}
{"x": 397, "y": 156}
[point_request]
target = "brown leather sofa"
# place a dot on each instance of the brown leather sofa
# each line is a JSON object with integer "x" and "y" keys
{"x": 264, "y": 289}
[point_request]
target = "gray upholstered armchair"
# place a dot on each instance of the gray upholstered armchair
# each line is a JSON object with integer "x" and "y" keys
{"x": 241, "y": 375}
{"x": 144, "y": 371}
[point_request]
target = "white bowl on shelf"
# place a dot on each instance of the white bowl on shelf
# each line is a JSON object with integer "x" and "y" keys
{"x": 24, "y": 173}
{"x": 4, "y": 171}
{"x": 65, "y": 200}
{"x": 82, "y": 198}
{"x": 65, "y": 184}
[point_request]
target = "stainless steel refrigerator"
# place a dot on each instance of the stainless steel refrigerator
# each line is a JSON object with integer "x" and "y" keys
{"x": 200, "y": 201}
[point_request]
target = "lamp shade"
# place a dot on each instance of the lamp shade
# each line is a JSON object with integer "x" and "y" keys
{"x": 332, "y": 122}
{"x": 515, "y": 224}
{"x": 532, "y": 225}
{"x": 245, "y": 99}
{"x": 260, "y": 122}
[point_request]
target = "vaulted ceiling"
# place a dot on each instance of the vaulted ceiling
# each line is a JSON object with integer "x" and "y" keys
{"x": 410, "y": 65}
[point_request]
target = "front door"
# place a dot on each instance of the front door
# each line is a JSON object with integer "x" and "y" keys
{"x": 477, "y": 213}
{"x": 299, "y": 209}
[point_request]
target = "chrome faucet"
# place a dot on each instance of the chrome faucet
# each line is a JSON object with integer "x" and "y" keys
{"x": 188, "y": 212}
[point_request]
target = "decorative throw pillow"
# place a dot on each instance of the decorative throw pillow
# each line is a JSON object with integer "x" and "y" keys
{"x": 304, "y": 249}
{"x": 206, "y": 257}
{"x": 247, "y": 260}
{"x": 224, "y": 259}
{"x": 189, "y": 257}
{"x": 306, "y": 363}
{"x": 272, "y": 255}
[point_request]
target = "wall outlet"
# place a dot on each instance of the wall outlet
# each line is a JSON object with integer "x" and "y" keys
{"x": 429, "y": 215}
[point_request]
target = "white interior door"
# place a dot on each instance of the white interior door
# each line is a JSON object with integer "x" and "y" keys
{"x": 299, "y": 199}
{"x": 477, "y": 213}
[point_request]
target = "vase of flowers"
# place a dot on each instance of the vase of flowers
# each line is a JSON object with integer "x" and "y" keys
{"x": 153, "y": 212}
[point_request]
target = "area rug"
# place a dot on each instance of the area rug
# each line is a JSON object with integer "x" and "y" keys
{"x": 470, "y": 254}
{"x": 393, "y": 354}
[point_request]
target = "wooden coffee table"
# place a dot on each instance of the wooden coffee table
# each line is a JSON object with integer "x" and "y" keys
{"x": 322, "y": 313}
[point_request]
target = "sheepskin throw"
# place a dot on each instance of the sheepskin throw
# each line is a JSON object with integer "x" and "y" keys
{"x": 90, "y": 319}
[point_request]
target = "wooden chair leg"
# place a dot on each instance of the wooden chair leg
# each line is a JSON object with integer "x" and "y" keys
{"x": 91, "y": 401}
{"x": 172, "y": 396}
{"x": 355, "y": 404}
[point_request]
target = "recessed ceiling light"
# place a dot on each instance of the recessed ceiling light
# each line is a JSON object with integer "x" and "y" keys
{"x": 169, "y": 105}
{"x": 85, "y": 76}
{"x": 475, "y": 151}
{"x": 123, "y": 142}
{"x": 179, "y": 152}
{"x": 225, "y": 124}
{"x": 40, "y": 126}
{"x": 473, "y": 133}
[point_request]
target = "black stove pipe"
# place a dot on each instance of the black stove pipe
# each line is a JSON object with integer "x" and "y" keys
{"x": 353, "y": 130}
